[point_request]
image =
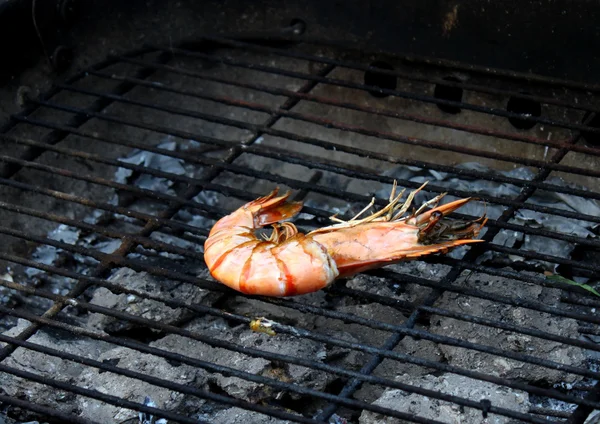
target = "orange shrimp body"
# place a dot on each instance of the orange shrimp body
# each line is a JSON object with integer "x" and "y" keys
{"x": 290, "y": 263}
{"x": 286, "y": 264}
{"x": 370, "y": 245}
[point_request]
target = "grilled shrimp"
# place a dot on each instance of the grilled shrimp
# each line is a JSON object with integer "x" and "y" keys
{"x": 289, "y": 263}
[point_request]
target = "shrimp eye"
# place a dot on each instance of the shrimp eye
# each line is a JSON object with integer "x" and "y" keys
{"x": 437, "y": 215}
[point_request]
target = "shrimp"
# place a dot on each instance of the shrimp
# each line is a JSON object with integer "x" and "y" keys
{"x": 388, "y": 237}
{"x": 287, "y": 263}
{"x": 290, "y": 263}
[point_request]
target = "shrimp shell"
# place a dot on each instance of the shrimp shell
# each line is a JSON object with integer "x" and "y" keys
{"x": 289, "y": 263}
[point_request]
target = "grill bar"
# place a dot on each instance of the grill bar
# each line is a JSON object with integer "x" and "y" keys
{"x": 315, "y": 120}
{"x": 493, "y": 247}
{"x": 385, "y": 273}
{"x": 151, "y": 226}
{"x": 227, "y": 372}
{"x": 161, "y": 382}
{"x": 180, "y": 178}
{"x": 214, "y": 212}
{"x": 358, "y": 151}
{"x": 397, "y": 329}
{"x": 145, "y": 242}
{"x": 114, "y": 400}
{"x": 250, "y": 351}
{"x": 98, "y": 205}
{"x": 432, "y": 188}
{"x": 137, "y": 241}
{"x": 328, "y": 101}
{"x": 581, "y": 412}
{"x": 47, "y": 412}
{"x": 348, "y": 196}
{"x": 396, "y": 93}
{"x": 332, "y": 314}
{"x": 389, "y": 274}
{"x": 53, "y": 138}
{"x": 523, "y": 303}
{"x": 452, "y": 275}
{"x": 415, "y": 77}
{"x": 78, "y": 120}
{"x": 532, "y": 78}
{"x": 321, "y": 311}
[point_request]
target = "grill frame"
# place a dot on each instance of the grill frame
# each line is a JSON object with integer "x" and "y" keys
{"x": 107, "y": 261}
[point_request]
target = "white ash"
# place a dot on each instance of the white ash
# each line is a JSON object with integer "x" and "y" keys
{"x": 191, "y": 217}
{"x": 254, "y": 307}
{"x": 207, "y": 197}
{"x": 6, "y": 295}
{"x": 178, "y": 242}
{"x": 7, "y": 420}
{"x": 159, "y": 162}
{"x": 241, "y": 416}
{"x": 48, "y": 254}
{"x": 562, "y": 406}
{"x": 194, "y": 220}
{"x": 593, "y": 418}
{"x": 434, "y": 409}
{"x": 327, "y": 203}
{"x": 108, "y": 246}
{"x": 508, "y": 340}
{"x": 48, "y": 366}
{"x": 243, "y": 336}
{"x": 397, "y": 288}
{"x": 53, "y": 256}
{"x": 133, "y": 389}
{"x": 147, "y": 418}
{"x": 388, "y": 368}
{"x": 146, "y": 308}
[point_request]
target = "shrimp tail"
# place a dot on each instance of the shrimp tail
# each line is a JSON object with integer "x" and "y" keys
{"x": 445, "y": 210}
{"x": 350, "y": 268}
{"x": 270, "y": 209}
{"x": 388, "y": 237}
{"x": 436, "y": 230}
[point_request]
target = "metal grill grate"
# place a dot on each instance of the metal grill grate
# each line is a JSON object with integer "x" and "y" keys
{"x": 111, "y": 182}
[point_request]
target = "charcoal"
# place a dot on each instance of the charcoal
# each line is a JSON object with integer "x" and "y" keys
{"x": 241, "y": 416}
{"x": 253, "y": 307}
{"x": 131, "y": 389}
{"x": 434, "y": 409}
{"x": 48, "y": 366}
{"x": 242, "y": 335}
{"x": 153, "y": 161}
{"x": 371, "y": 311}
{"x": 146, "y": 308}
{"x": 525, "y": 217}
{"x": 508, "y": 340}
{"x": 594, "y": 418}
{"x": 400, "y": 289}
{"x": 374, "y": 285}
{"x": 376, "y": 338}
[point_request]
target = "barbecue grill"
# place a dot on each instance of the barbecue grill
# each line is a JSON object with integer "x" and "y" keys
{"x": 112, "y": 179}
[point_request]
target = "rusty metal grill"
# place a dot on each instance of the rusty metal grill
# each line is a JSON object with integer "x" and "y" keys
{"x": 111, "y": 182}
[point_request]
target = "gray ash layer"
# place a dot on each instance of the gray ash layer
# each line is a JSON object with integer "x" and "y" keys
{"x": 433, "y": 409}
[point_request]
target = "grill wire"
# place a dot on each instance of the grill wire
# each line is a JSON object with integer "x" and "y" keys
{"x": 253, "y": 129}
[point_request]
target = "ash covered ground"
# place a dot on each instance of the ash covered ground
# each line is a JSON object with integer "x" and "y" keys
{"x": 429, "y": 358}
